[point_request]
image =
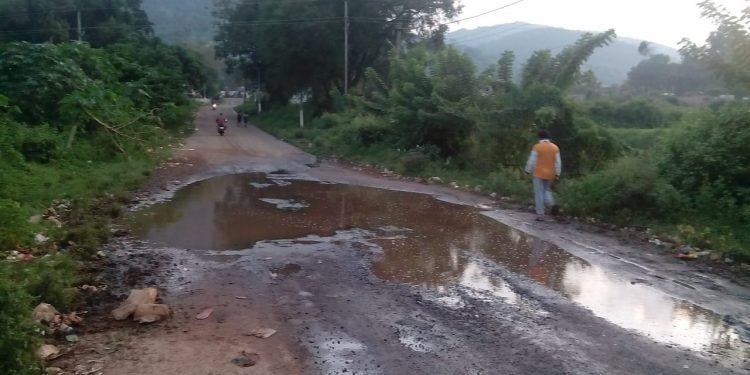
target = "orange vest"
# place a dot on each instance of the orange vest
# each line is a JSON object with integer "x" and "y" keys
{"x": 546, "y": 157}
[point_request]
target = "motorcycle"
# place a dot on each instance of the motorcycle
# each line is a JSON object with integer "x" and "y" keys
{"x": 222, "y": 128}
{"x": 213, "y": 106}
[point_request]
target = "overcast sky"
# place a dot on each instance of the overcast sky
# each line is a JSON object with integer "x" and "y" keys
{"x": 661, "y": 21}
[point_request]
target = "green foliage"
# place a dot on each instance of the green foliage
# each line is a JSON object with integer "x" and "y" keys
{"x": 76, "y": 124}
{"x": 426, "y": 99}
{"x": 693, "y": 181}
{"x": 510, "y": 182}
{"x": 297, "y": 56}
{"x": 17, "y": 332}
{"x": 38, "y": 76}
{"x": 50, "y": 280}
{"x": 657, "y": 75}
{"x": 707, "y": 162}
{"x": 13, "y": 231}
{"x": 413, "y": 163}
{"x": 72, "y": 83}
{"x": 638, "y": 139}
{"x": 713, "y": 156}
{"x": 727, "y": 50}
{"x": 22, "y": 286}
{"x": 362, "y": 131}
{"x": 40, "y": 21}
{"x": 627, "y": 190}
{"x": 40, "y": 144}
{"x": 564, "y": 69}
{"x": 638, "y": 113}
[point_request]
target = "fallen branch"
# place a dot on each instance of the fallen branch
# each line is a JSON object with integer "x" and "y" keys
{"x": 115, "y": 132}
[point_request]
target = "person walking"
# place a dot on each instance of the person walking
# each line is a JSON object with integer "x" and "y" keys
{"x": 245, "y": 118}
{"x": 545, "y": 164}
{"x": 239, "y": 118}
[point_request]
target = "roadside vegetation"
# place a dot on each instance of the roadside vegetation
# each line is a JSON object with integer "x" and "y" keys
{"x": 636, "y": 156}
{"x": 81, "y": 125}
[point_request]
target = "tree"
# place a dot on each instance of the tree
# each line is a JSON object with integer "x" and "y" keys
{"x": 658, "y": 75}
{"x": 426, "y": 96}
{"x": 563, "y": 70}
{"x": 653, "y": 75}
{"x": 104, "y": 22}
{"x": 727, "y": 50}
{"x": 505, "y": 70}
{"x": 296, "y": 48}
{"x": 587, "y": 85}
{"x": 645, "y": 48}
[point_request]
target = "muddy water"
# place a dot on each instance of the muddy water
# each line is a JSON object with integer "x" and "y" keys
{"x": 426, "y": 243}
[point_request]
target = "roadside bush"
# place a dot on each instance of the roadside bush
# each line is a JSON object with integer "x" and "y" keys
{"x": 511, "y": 182}
{"x": 413, "y": 163}
{"x": 363, "y": 131}
{"x": 18, "y": 338}
{"x": 22, "y": 286}
{"x": 627, "y": 189}
{"x": 712, "y": 155}
{"x": 14, "y": 229}
{"x": 50, "y": 280}
{"x": 589, "y": 149}
{"x": 637, "y": 113}
{"x": 39, "y": 144}
{"x": 173, "y": 116}
{"x": 37, "y": 77}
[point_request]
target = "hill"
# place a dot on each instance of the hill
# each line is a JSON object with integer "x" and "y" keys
{"x": 611, "y": 64}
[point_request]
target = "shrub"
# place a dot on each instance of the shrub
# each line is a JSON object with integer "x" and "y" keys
{"x": 637, "y": 113}
{"x": 17, "y": 332}
{"x": 510, "y": 182}
{"x": 626, "y": 189}
{"x": 13, "y": 228}
{"x": 50, "y": 280}
{"x": 712, "y": 155}
{"x": 413, "y": 163}
{"x": 39, "y": 144}
{"x": 363, "y": 131}
{"x": 175, "y": 117}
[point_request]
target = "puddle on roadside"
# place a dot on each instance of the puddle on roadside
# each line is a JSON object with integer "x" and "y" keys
{"x": 426, "y": 243}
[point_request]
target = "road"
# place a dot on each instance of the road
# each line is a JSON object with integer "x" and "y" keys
{"x": 369, "y": 274}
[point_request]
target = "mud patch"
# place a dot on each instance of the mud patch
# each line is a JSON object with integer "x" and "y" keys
{"x": 287, "y": 270}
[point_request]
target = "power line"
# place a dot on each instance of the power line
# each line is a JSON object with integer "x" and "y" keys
{"x": 276, "y": 22}
{"x": 485, "y": 13}
{"x": 20, "y": 13}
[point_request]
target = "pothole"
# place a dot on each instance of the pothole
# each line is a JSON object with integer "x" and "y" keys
{"x": 425, "y": 242}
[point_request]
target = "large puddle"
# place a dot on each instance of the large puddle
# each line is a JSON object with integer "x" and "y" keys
{"x": 426, "y": 243}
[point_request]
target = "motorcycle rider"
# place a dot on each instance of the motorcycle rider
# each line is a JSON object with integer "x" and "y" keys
{"x": 221, "y": 120}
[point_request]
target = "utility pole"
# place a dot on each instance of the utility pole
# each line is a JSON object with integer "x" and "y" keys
{"x": 80, "y": 27}
{"x": 257, "y": 94}
{"x": 346, "y": 47}
{"x": 398, "y": 39}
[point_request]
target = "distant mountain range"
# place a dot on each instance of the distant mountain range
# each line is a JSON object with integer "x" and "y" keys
{"x": 611, "y": 64}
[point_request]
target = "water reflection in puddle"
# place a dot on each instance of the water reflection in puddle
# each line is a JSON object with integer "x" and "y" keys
{"x": 426, "y": 243}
